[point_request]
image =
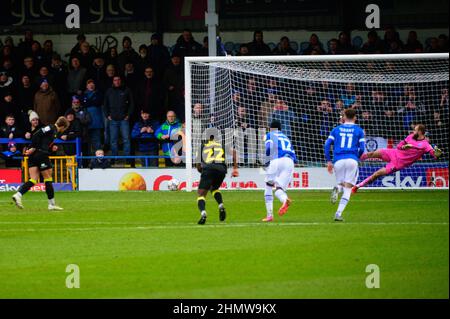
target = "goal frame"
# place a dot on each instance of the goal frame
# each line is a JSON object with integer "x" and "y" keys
{"x": 188, "y": 61}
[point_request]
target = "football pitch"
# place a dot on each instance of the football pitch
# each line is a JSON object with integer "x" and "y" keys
{"x": 148, "y": 245}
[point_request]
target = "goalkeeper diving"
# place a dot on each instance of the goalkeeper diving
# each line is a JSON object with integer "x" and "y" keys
{"x": 408, "y": 151}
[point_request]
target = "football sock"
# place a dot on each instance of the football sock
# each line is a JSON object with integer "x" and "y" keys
{"x": 364, "y": 182}
{"x": 344, "y": 201}
{"x": 268, "y": 196}
{"x": 218, "y": 197}
{"x": 340, "y": 188}
{"x": 201, "y": 202}
{"x": 281, "y": 195}
{"x": 49, "y": 189}
{"x": 27, "y": 186}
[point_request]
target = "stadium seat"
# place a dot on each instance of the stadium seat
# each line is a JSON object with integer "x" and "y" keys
{"x": 357, "y": 42}
{"x": 303, "y": 47}
{"x": 236, "y": 48}
{"x": 294, "y": 45}
{"x": 272, "y": 45}
{"x": 229, "y": 47}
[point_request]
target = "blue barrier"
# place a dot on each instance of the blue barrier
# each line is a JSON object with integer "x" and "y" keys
{"x": 77, "y": 143}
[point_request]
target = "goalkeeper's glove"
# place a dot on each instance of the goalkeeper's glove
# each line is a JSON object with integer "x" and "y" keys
{"x": 437, "y": 151}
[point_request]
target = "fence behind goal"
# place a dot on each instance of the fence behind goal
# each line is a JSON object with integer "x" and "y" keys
{"x": 241, "y": 95}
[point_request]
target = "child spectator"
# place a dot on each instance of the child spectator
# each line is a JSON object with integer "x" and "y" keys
{"x": 99, "y": 161}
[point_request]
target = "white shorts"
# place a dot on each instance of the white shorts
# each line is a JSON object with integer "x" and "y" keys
{"x": 346, "y": 171}
{"x": 279, "y": 173}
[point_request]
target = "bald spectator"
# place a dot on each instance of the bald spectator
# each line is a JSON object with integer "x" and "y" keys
{"x": 169, "y": 134}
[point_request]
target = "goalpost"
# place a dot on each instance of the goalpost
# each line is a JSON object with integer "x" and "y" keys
{"x": 239, "y": 96}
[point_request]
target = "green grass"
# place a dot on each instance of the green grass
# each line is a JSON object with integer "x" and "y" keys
{"x": 148, "y": 245}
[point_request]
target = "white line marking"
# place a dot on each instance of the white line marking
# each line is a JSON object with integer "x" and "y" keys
{"x": 194, "y": 226}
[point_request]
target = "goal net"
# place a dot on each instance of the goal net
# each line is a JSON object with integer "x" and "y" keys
{"x": 239, "y": 96}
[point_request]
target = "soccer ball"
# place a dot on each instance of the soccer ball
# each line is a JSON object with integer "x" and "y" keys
{"x": 173, "y": 184}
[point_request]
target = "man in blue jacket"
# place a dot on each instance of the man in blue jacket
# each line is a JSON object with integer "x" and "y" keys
{"x": 144, "y": 133}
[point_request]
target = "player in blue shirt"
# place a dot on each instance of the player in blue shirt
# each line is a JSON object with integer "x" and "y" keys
{"x": 280, "y": 157}
{"x": 348, "y": 140}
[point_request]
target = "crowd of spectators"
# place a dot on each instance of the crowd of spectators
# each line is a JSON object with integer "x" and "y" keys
{"x": 134, "y": 100}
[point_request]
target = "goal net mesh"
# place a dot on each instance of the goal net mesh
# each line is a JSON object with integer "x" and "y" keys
{"x": 390, "y": 96}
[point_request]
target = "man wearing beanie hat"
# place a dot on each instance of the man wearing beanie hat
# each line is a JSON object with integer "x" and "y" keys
{"x": 46, "y": 103}
{"x": 159, "y": 56}
{"x": 128, "y": 54}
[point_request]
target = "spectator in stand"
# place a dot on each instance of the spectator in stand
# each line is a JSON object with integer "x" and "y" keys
{"x": 433, "y": 46}
{"x": 128, "y": 54}
{"x": 412, "y": 44}
{"x": 73, "y": 132}
{"x": 131, "y": 79}
{"x": 159, "y": 56}
{"x": 144, "y": 132}
{"x": 345, "y": 44}
{"x": 76, "y": 49}
{"x": 251, "y": 99}
{"x": 243, "y": 50}
{"x": 6, "y": 84}
{"x": 10, "y": 129}
{"x": 44, "y": 74}
{"x": 86, "y": 55}
{"x": 373, "y": 44}
{"x": 10, "y": 69}
{"x": 37, "y": 54}
{"x": 25, "y": 46}
{"x": 9, "y": 155}
{"x": 46, "y": 104}
{"x": 333, "y": 47}
{"x": 143, "y": 59}
{"x": 76, "y": 77}
{"x": 391, "y": 37}
{"x": 34, "y": 124}
{"x": 112, "y": 57}
{"x": 443, "y": 43}
{"x": 257, "y": 46}
{"x": 187, "y": 46}
{"x": 348, "y": 96}
{"x": 25, "y": 94}
{"x": 367, "y": 122}
{"x": 326, "y": 118}
{"x": 285, "y": 115}
{"x": 118, "y": 106}
{"x": 204, "y": 51}
{"x": 443, "y": 104}
{"x": 200, "y": 123}
{"x": 47, "y": 52}
{"x": 314, "y": 47}
{"x": 8, "y": 107}
{"x": 85, "y": 119}
{"x": 111, "y": 71}
{"x": 97, "y": 73}
{"x": 173, "y": 83}
{"x": 169, "y": 133}
{"x": 266, "y": 108}
{"x": 99, "y": 161}
{"x": 92, "y": 101}
{"x": 284, "y": 47}
{"x": 58, "y": 70}
{"x": 439, "y": 130}
{"x": 7, "y": 53}
{"x": 29, "y": 67}
{"x": 149, "y": 95}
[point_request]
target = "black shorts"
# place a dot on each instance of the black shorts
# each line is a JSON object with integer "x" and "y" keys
{"x": 211, "y": 179}
{"x": 40, "y": 160}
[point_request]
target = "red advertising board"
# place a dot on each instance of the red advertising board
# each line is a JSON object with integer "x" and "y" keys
{"x": 10, "y": 176}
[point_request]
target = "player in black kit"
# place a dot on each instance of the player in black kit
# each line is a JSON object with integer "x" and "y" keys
{"x": 213, "y": 170}
{"x": 39, "y": 162}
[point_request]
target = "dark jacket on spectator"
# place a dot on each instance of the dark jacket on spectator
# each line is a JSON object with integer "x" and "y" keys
{"x": 15, "y": 130}
{"x": 191, "y": 48}
{"x": 118, "y": 103}
{"x": 47, "y": 105}
{"x": 93, "y": 101}
{"x": 76, "y": 80}
{"x": 146, "y": 141}
{"x": 99, "y": 162}
{"x": 149, "y": 97}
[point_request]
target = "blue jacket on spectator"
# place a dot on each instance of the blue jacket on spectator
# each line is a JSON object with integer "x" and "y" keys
{"x": 168, "y": 129}
{"x": 147, "y": 141}
{"x": 92, "y": 101}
